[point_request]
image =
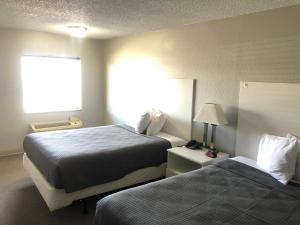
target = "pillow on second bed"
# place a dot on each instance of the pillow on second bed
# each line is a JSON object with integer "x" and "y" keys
{"x": 157, "y": 122}
{"x": 277, "y": 156}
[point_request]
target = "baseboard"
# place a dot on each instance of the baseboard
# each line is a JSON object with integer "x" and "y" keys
{"x": 10, "y": 154}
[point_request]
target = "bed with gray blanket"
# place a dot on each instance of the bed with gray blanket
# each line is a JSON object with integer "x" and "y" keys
{"x": 81, "y": 158}
{"x": 227, "y": 193}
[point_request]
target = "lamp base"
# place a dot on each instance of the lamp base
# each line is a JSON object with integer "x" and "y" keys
{"x": 211, "y": 154}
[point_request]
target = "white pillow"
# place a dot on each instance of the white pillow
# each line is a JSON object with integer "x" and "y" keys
{"x": 143, "y": 123}
{"x": 157, "y": 122}
{"x": 277, "y": 156}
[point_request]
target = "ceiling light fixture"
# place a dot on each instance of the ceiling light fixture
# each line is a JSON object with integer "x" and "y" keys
{"x": 77, "y": 31}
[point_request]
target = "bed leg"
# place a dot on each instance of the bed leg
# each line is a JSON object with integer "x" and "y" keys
{"x": 84, "y": 206}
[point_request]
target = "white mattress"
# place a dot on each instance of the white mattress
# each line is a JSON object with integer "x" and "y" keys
{"x": 58, "y": 198}
{"x": 175, "y": 141}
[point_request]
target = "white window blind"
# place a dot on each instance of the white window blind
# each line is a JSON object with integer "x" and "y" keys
{"x": 51, "y": 84}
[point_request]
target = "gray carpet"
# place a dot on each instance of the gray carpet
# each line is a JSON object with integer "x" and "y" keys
{"x": 21, "y": 203}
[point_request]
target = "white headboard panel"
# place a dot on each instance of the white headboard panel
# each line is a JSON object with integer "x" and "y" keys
{"x": 127, "y": 100}
{"x": 272, "y": 108}
{"x": 177, "y": 101}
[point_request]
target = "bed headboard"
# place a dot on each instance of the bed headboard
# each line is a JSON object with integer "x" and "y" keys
{"x": 174, "y": 97}
{"x": 272, "y": 108}
{"x": 177, "y": 103}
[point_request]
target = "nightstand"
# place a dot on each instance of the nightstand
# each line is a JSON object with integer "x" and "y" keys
{"x": 182, "y": 160}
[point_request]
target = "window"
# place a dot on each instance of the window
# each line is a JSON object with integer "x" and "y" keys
{"x": 51, "y": 84}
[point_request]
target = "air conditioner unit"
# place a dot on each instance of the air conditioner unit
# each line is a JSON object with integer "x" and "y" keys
{"x": 72, "y": 123}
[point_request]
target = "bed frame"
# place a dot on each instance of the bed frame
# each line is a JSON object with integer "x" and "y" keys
{"x": 58, "y": 198}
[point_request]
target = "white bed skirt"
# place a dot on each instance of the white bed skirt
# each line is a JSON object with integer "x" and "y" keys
{"x": 58, "y": 198}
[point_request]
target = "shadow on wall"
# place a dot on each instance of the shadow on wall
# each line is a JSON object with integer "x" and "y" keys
{"x": 251, "y": 126}
{"x": 269, "y": 60}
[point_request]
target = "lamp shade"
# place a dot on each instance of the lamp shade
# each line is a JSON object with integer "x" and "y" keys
{"x": 211, "y": 113}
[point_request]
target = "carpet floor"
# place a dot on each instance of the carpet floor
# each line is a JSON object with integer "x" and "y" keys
{"x": 22, "y": 204}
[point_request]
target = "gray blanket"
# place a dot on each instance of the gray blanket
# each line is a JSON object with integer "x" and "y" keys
{"x": 228, "y": 193}
{"x": 76, "y": 159}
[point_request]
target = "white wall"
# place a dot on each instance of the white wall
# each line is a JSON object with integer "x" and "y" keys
{"x": 218, "y": 54}
{"x": 14, "y": 43}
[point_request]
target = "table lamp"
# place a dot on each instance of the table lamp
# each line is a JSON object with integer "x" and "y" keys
{"x": 213, "y": 114}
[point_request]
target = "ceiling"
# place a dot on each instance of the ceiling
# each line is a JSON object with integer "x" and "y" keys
{"x": 113, "y": 18}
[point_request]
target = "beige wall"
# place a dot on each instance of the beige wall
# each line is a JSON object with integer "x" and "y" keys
{"x": 257, "y": 47}
{"x": 14, "y": 43}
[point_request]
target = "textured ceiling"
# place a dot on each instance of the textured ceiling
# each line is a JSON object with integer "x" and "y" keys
{"x": 112, "y": 18}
